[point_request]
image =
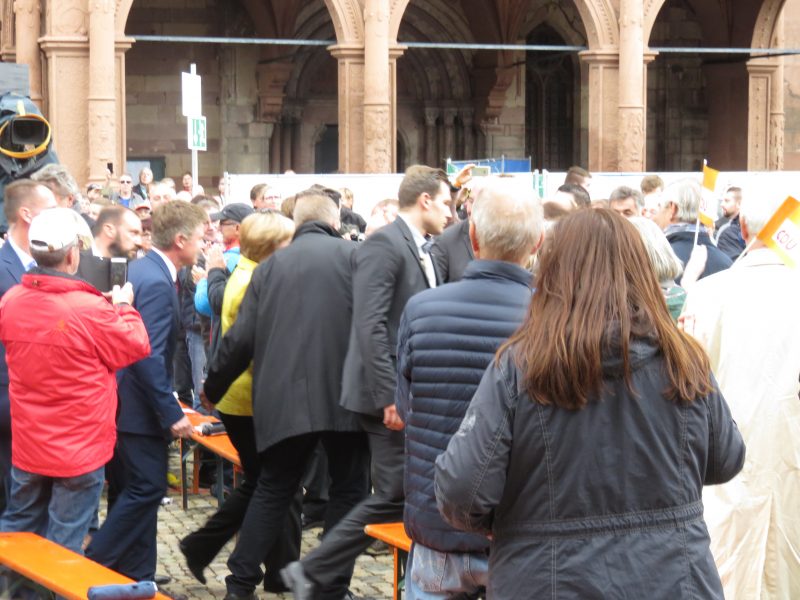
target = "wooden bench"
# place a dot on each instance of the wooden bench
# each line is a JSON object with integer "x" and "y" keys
{"x": 219, "y": 445}
{"x": 394, "y": 534}
{"x": 54, "y": 567}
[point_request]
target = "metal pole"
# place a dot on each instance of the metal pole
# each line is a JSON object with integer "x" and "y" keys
{"x": 193, "y": 71}
{"x": 186, "y": 39}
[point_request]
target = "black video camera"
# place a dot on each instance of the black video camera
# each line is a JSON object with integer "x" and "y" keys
{"x": 25, "y": 142}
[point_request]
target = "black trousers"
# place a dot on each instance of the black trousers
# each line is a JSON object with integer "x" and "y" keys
{"x": 204, "y": 544}
{"x": 182, "y": 369}
{"x": 126, "y": 542}
{"x": 282, "y": 467}
{"x": 331, "y": 564}
{"x": 316, "y": 482}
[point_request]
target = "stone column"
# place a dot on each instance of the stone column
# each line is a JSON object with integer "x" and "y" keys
{"x": 378, "y": 124}
{"x": 468, "y": 117}
{"x": 275, "y": 148}
{"x": 28, "y": 30}
{"x": 8, "y": 51}
{"x": 761, "y": 74}
{"x": 631, "y": 130}
{"x": 603, "y": 108}
{"x": 449, "y": 119}
{"x": 65, "y": 44}
{"x": 121, "y": 46}
{"x": 295, "y": 114}
{"x": 431, "y": 149}
{"x": 102, "y": 117}
{"x": 351, "y": 115}
{"x": 286, "y": 144}
{"x": 395, "y": 52}
{"x": 777, "y": 116}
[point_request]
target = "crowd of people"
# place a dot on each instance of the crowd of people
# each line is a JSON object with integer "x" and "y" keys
{"x": 553, "y": 396}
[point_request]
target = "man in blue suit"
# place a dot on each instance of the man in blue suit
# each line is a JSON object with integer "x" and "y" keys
{"x": 149, "y": 415}
{"x": 23, "y": 200}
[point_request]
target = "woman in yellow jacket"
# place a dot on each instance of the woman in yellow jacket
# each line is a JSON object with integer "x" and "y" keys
{"x": 261, "y": 234}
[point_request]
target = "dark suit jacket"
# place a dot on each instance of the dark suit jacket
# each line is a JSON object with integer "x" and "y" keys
{"x": 293, "y": 325}
{"x": 147, "y": 405}
{"x": 11, "y": 272}
{"x": 453, "y": 251}
{"x": 388, "y": 271}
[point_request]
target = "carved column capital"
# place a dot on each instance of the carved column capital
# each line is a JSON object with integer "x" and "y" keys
{"x": 292, "y": 113}
{"x": 26, "y": 6}
{"x": 271, "y": 81}
{"x": 103, "y": 6}
{"x": 431, "y": 113}
{"x": 449, "y": 116}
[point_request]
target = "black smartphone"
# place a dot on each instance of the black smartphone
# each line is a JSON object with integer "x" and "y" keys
{"x": 110, "y": 167}
{"x": 119, "y": 272}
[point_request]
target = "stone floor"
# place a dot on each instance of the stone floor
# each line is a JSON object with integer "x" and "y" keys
{"x": 372, "y": 577}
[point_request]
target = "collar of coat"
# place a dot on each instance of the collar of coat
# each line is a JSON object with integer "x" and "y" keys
{"x": 50, "y": 280}
{"x": 316, "y": 227}
{"x": 497, "y": 269}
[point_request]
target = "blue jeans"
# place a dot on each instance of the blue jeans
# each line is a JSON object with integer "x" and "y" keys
{"x": 431, "y": 574}
{"x": 58, "y": 508}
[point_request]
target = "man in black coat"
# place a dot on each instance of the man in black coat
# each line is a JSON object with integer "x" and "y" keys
{"x": 392, "y": 265}
{"x": 293, "y": 325}
{"x": 677, "y": 216}
{"x": 729, "y": 234}
{"x": 453, "y": 251}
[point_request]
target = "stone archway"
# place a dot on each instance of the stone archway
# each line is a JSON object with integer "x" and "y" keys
{"x": 766, "y": 22}
{"x": 123, "y": 10}
{"x": 651, "y": 10}
{"x": 348, "y": 20}
{"x": 600, "y": 21}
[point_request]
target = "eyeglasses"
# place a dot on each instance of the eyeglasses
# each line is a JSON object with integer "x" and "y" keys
{"x": 125, "y": 181}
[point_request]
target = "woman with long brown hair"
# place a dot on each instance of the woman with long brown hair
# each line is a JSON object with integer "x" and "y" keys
{"x": 586, "y": 447}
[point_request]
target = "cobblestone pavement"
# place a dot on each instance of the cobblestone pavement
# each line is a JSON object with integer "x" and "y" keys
{"x": 372, "y": 577}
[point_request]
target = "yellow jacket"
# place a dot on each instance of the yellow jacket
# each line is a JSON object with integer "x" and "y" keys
{"x": 238, "y": 399}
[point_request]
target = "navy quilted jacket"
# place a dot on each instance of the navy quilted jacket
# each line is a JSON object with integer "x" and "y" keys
{"x": 447, "y": 338}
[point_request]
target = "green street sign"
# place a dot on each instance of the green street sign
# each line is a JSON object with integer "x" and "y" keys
{"x": 197, "y": 133}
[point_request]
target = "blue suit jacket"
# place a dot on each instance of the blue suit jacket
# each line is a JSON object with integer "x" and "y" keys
{"x": 147, "y": 405}
{"x": 11, "y": 272}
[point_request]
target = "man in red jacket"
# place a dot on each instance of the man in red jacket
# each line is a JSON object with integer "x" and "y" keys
{"x": 64, "y": 342}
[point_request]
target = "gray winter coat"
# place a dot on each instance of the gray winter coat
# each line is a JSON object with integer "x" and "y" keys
{"x": 604, "y": 502}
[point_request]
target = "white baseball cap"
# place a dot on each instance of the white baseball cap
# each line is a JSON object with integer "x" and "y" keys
{"x": 53, "y": 229}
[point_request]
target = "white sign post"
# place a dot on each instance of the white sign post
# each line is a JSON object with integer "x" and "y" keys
{"x": 192, "y": 104}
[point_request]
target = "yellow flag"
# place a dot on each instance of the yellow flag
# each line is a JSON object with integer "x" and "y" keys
{"x": 781, "y": 234}
{"x": 710, "y": 178}
{"x": 710, "y": 183}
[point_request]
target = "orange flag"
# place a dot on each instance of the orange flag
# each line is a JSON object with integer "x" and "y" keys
{"x": 781, "y": 234}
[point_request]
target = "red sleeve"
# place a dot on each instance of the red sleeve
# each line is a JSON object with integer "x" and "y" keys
{"x": 119, "y": 334}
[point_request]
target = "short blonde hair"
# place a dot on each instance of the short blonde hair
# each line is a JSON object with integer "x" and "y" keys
{"x": 262, "y": 232}
{"x": 665, "y": 262}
